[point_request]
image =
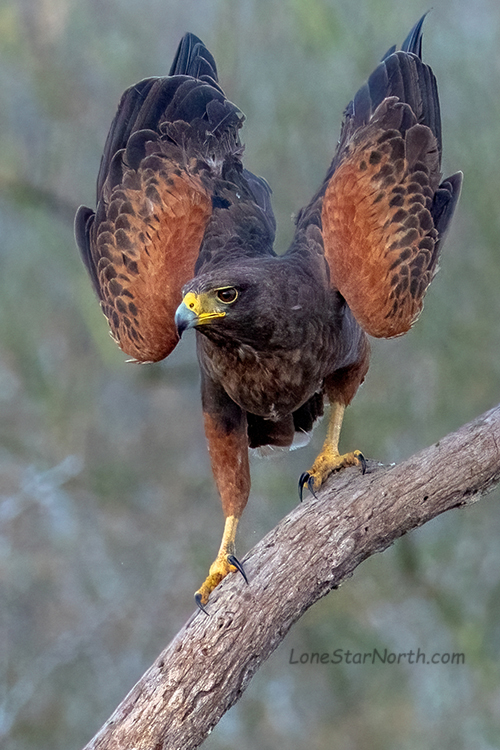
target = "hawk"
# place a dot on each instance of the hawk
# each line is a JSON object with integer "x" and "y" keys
{"x": 182, "y": 237}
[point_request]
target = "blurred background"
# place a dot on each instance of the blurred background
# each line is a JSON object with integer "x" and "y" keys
{"x": 108, "y": 513}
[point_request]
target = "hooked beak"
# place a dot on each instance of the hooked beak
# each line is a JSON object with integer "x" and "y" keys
{"x": 185, "y": 318}
{"x": 195, "y": 310}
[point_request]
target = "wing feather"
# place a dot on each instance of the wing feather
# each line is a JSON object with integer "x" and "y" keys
{"x": 382, "y": 209}
{"x": 164, "y": 155}
{"x": 144, "y": 252}
{"x": 380, "y": 236}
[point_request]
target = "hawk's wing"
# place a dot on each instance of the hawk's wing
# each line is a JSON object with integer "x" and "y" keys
{"x": 384, "y": 210}
{"x": 172, "y": 148}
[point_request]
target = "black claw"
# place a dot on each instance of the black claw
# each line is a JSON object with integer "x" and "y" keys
{"x": 304, "y": 479}
{"x": 197, "y": 598}
{"x": 310, "y": 487}
{"x": 362, "y": 461}
{"x": 234, "y": 561}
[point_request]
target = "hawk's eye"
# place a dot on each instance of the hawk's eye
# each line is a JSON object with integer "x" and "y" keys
{"x": 227, "y": 295}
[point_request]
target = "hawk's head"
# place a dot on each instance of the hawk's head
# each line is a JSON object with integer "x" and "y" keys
{"x": 241, "y": 303}
{"x": 199, "y": 308}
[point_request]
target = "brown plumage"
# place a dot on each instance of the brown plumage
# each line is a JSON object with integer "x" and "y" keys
{"x": 182, "y": 238}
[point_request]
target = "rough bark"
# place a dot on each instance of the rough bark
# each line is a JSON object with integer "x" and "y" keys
{"x": 206, "y": 668}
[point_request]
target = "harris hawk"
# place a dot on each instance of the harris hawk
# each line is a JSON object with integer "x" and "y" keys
{"x": 182, "y": 237}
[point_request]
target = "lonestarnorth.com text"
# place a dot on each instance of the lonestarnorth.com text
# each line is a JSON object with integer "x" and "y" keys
{"x": 342, "y": 656}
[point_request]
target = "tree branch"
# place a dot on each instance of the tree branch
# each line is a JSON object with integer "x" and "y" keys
{"x": 207, "y": 667}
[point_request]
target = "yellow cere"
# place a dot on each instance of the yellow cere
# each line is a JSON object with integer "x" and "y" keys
{"x": 203, "y": 306}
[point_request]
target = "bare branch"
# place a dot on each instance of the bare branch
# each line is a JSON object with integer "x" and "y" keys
{"x": 206, "y": 668}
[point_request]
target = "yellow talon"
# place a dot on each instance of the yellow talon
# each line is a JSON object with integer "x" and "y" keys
{"x": 225, "y": 562}
{"x": 328, "y": 462}
{"x": 329, "y": 459}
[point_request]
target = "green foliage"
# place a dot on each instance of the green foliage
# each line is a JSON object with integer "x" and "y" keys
{"x": 108, "y": 516}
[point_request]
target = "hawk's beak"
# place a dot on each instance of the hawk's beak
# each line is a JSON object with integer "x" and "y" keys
{"x": 185, "y": 318}
{"x": 195, "y": 310}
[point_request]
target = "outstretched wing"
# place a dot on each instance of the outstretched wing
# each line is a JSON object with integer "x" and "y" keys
{"x": 171, "y": 137}
{"x": 384, "y": 209}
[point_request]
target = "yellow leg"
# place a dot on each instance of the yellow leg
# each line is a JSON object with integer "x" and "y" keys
{"x": 224, "y": 563}
{"x": 329, "y": 459}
